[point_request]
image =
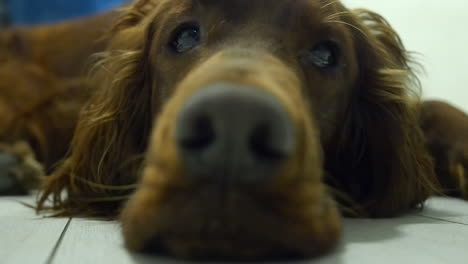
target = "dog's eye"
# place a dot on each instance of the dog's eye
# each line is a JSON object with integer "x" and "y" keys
{"x": 324, "y": 55}
{"x": 185, "y": 39}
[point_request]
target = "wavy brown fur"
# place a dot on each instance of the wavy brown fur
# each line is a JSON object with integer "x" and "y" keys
{"x": 108, "y": 152}
{"x": 383, "y": 178}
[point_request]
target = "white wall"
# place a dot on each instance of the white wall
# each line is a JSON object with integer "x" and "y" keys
{"x": 438, "y": 29}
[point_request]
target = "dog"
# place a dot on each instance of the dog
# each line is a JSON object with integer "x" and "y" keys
{"x": 229, "y": 129}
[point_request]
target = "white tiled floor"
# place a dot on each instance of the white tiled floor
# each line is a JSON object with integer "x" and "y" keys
{"x": 437, "y": 235}
{"x": 25, "y": 237}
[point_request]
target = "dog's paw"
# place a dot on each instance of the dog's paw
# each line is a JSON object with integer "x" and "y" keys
{"x": 19, "y": 170}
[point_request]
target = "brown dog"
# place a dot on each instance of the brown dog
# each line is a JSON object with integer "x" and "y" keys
{"x": 244, "y": 126}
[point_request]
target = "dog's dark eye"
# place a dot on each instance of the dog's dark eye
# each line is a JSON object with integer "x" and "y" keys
{"x": 185, "y": 39}
{"x": 324, "y": 55}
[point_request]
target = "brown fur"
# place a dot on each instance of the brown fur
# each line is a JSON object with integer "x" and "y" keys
{"x": 446, "y": 130}
{"x": 38, "y": 108}
{"x": 43, "y": 82}
{"x": 62, "y": 49}
{"x": 359, "y": 140}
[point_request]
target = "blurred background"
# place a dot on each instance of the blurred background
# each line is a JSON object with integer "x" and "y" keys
{"x": 27, "y": 12}
{"x": 435, "y": 29}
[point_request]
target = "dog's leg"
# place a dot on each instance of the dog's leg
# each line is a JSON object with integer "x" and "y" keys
{"x": 446, "y": 130}
{"x": 20, "y": 172}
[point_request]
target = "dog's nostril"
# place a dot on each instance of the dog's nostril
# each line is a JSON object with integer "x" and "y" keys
{"x": 262, "y": 145}
{"x": 200, "y": 134}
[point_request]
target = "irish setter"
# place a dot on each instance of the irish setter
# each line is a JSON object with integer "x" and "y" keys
{"x": 228, "y": 129}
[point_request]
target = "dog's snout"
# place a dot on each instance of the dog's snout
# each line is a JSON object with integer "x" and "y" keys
{"x": 232, "y": 132}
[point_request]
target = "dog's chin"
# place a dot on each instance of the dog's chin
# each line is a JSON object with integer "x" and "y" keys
{"x": 222, "y": 249}
{"x": 203, "y": 223}
{"x": 232, "y": 247}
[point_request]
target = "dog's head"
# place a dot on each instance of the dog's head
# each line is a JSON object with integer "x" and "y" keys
{"x": 242, "y": 107}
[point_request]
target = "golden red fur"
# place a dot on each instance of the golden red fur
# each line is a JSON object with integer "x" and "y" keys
{"x": 359, "y": 146}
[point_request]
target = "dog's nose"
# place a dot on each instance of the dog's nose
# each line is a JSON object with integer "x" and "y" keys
{"x": 234, "y": 133}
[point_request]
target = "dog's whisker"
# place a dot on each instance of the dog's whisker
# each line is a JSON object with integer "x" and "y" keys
{"x": 329, "y": 4}
{"x": 337, "y": 15}
{"x": 106, "y": 186}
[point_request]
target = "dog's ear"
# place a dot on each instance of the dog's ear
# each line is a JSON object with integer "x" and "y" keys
{"x": 113, "y": 128}
{"x": 382, "y": 160}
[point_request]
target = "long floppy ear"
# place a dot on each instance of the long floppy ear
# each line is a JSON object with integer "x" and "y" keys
{"x": 382, "y": 161}
{"x": 113, "y": 128}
